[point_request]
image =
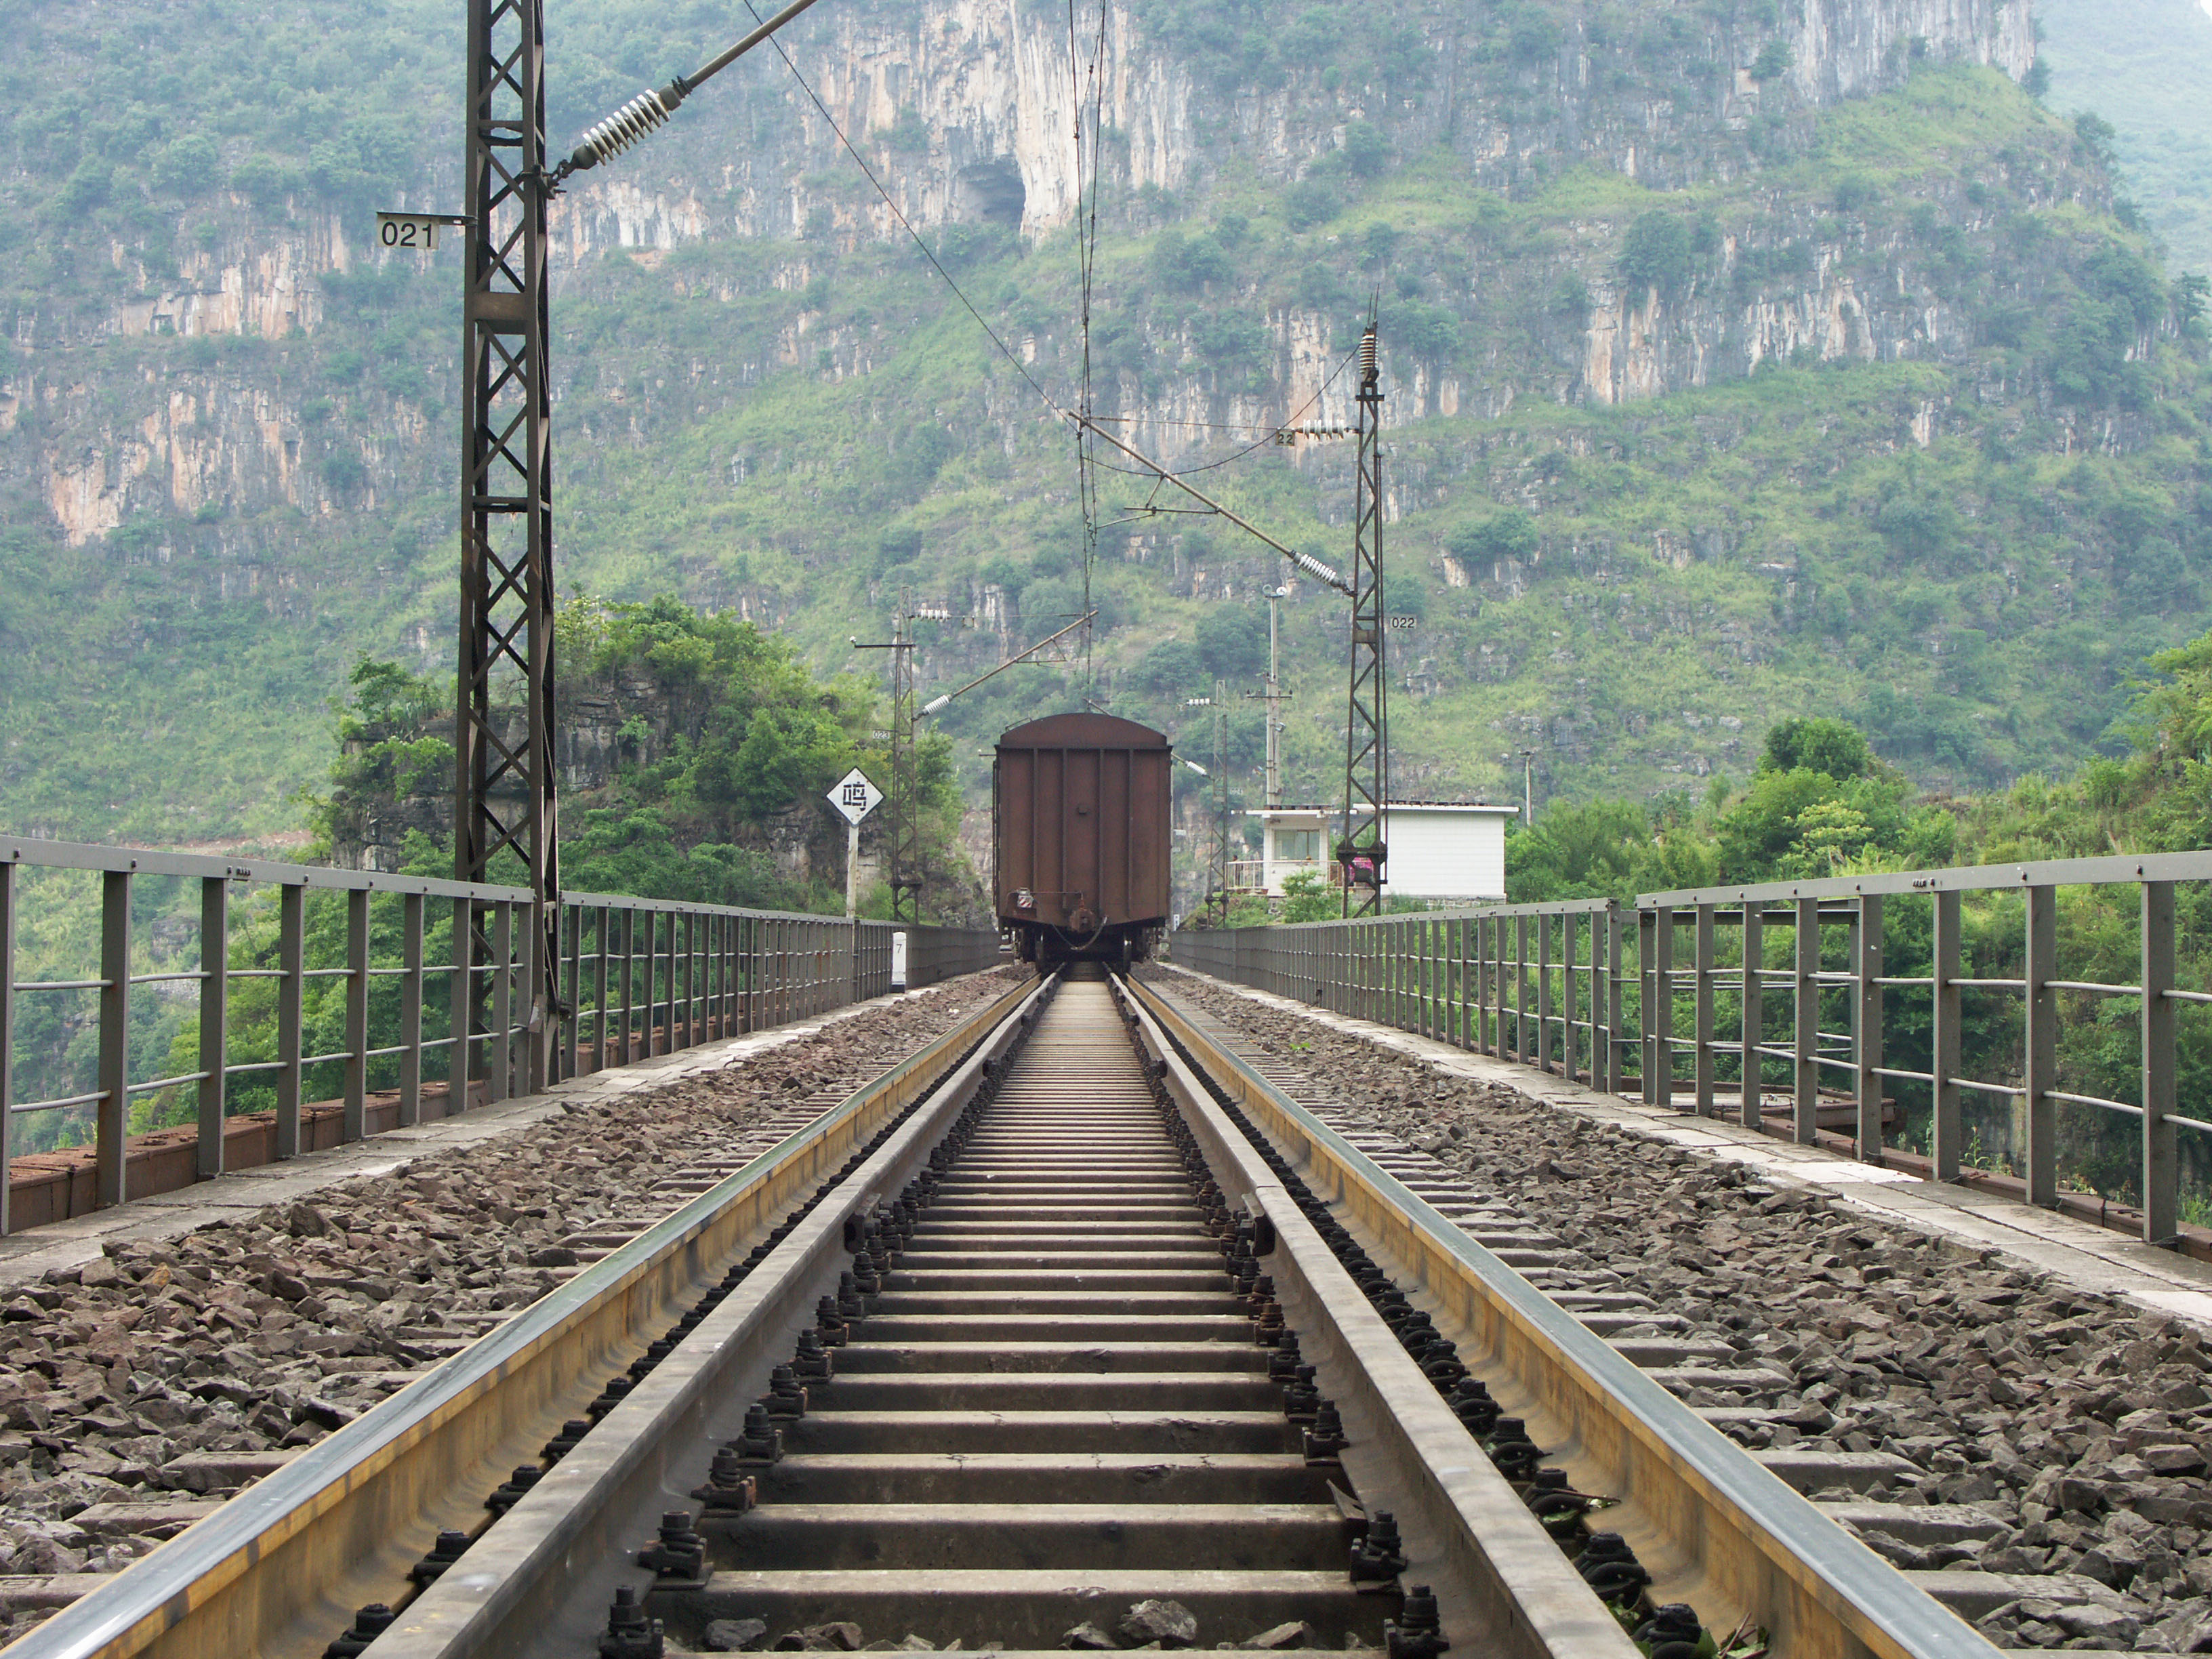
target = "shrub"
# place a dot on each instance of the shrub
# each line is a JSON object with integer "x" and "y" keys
{"x": 1654, "y": 256}
{"x": 1511, "y": 534}
{"x": 1312, "y": 201}
{"x": 1232, "y": 642}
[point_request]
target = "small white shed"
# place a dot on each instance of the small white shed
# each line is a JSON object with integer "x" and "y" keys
{"x": 1438, "y": 850}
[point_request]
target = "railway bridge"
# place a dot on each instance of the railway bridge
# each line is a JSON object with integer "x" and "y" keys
{"x": 1716, "y": 1274}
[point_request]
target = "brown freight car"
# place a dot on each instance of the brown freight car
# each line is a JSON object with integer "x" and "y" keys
{"x": 1079, "y": 828}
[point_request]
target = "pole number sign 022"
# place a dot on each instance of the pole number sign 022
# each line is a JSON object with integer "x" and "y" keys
{"x": 413, "y": 233}
{"x": 856, "y": 797}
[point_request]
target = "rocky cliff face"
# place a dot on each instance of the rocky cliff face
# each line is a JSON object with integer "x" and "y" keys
{"x": 972, "y": 106}
{"x": 967, "y": 111}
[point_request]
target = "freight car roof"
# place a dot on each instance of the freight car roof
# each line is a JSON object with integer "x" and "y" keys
{"x": 1082, "y": 731}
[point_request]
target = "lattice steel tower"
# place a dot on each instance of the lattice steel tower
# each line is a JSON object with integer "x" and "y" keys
{"x": 1364, "y": 844}
{"x": 504, "y": 780}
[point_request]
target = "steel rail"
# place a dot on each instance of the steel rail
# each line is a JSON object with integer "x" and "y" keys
{"x": 1494, "y": 1565}
{"x": 1734, "y": 1531}
{"x": 569, "y": 1527}
{"x": 269, "y": 1573}
{"x": 1498, "y": 1576}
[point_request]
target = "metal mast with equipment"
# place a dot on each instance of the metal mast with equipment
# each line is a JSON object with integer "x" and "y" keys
{"x": 503, "y": 771}
{"x": 1365, "y": 845}
{"x": 504, "y": 786}
{"x": 1221, "y": 796}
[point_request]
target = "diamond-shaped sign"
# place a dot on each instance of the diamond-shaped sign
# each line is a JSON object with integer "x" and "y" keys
{"x": 854, "y": 796}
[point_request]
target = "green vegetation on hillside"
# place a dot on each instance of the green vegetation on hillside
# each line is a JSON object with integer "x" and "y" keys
{"x": 1958, "y": 534}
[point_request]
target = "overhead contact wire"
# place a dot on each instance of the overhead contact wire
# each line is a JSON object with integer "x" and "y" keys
{"x": 1273, "y": 432}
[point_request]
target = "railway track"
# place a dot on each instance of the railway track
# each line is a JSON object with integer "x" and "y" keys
{"x": 1072, "y": 1330}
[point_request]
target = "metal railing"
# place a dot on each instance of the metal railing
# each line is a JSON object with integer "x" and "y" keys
{"x": 641, "y": 978}
{"x": 1794, "y": 986}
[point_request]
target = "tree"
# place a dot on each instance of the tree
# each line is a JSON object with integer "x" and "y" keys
{"x": 1428, "y": 332}
{"x": 1832, "y": 747}
{"x": 1511, "y": 534}
{"x": 1534, "y": 34}
{"x": 1774, "y": 60}
{"x": 1920, "y": 523}
{"x": 1577, "y": 851}
{"x": 1307, "y": 897}
{"x": 787, "y": 754}
{"x": 1232, "y": 643}
{"x": 1654, "y": 257}
{"x": 1170, "y": 668}
{"x": 1366, "y": 151}
{"x": 2093, "y": 136}
{"x": 1183, "y": 264}
{"x": 1312, "y": 201}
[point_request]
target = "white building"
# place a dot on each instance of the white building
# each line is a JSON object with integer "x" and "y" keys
{"x": 1437, "y": 849}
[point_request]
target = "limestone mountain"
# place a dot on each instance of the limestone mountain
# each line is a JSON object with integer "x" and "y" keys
{"x": 1743, "y": 358}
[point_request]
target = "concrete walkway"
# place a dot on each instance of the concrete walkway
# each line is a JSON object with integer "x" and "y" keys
{"x": 26, "y": 1256}
{"x": 2087, "y": 1257}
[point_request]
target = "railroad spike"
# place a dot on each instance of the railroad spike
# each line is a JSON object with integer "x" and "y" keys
{"x": 368, "y": 1623}
{"x": 679, "y": 1554}
{"x": 630, "y": 1634}
{"x": 1377, "y": 1558}
{"x": 1417, "y": 1632}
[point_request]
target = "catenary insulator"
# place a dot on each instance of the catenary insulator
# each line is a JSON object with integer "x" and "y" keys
{"x": 1367, "y": 360}
{"x": 641, "y": 115}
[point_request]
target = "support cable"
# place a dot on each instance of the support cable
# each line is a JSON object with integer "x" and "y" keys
{"x": 958, "y": 293}
{"x": 1274, "y": 433}
{"x": 1087, "y": 427}
{"x": 1086, "y": 257}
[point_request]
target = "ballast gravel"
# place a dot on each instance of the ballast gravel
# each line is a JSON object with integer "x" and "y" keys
{"x": 2079, "y": 1424}
{"x": 245, "y": 1336}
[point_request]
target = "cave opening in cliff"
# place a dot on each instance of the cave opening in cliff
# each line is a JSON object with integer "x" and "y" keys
{"x": 990, "y": 192}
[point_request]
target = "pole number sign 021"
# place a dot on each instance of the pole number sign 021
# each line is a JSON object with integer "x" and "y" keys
{"x": 414, "y": 232}
{"x": 856, "y": 797}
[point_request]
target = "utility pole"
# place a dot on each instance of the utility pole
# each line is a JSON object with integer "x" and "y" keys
{"x": 1272, "y": 696}
{"x": 1274, "y": 784}
{"x": 1221, "y": 796}
{"x": 1365, "y": 845}
{"x": 504, "y": 779}
{"x": 1529, "y": 788}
